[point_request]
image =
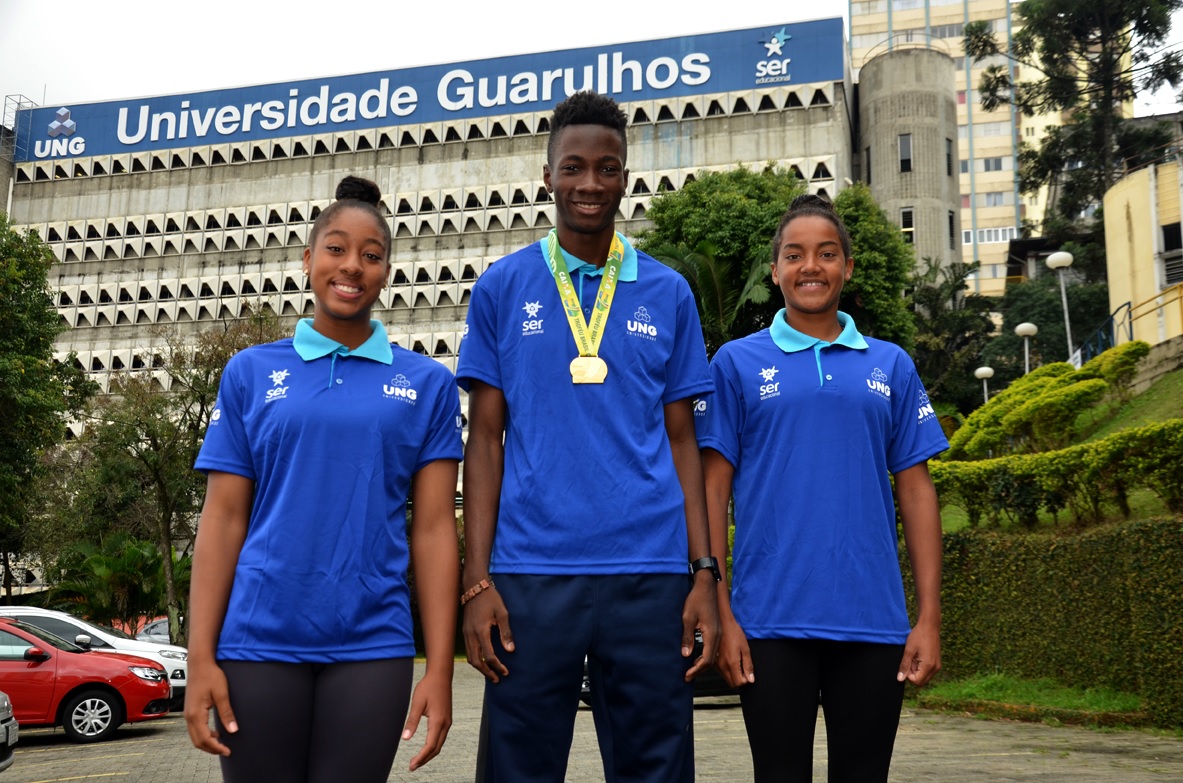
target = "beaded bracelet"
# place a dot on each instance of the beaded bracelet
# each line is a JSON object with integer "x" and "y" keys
{"x": 476, "y": 590}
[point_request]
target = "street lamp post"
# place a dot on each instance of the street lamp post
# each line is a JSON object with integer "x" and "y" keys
{"x": 985, "y": 373}
{"x": 1060, "y": 261}
{"x": 1026, "y": 330}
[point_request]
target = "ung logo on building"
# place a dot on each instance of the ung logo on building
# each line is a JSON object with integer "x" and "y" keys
{"x": 62, "y": 141}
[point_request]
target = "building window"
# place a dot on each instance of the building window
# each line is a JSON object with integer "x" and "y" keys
{"x": 1172, "y": 256}
{"x": 994, "y": 199}
{"x": 967, "y": 237}
{"x": 965, "y": 201}
{"x": 949, "y": 157}
{"x": 994, "y": 235}
{"x": 992, "y": 164}
{"x": 905, "y": 152}
{"x": 907, "y": 224}
{"x": 952, "y": 230}
{"x": 867, "y": 160}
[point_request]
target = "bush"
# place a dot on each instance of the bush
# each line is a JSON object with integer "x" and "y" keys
{"x": 1100, "y": 609}
{"x": 1087, "y": 479}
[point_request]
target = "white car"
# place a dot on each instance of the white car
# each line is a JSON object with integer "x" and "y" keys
{"x": 174, "y": 659}
{"x": 8, "y": 732}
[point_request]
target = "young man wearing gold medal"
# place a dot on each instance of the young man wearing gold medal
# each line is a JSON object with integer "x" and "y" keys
{"x": 585, "y": 519}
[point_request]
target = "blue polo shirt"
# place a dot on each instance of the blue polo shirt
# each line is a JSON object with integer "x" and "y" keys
{"x": 814, "y": 430}
{"x": 331, "y": 438}
{"x": 589, "y": 485}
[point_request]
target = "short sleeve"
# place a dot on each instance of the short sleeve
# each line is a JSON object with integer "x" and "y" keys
{"x": 718, "y": 419}
{"x": 478, "y": 358}
{"x": 226, "y": 446}
{"x": 916, "y": 432}
{"x": 687, "y": 373}
{"x": 443, "y": 438}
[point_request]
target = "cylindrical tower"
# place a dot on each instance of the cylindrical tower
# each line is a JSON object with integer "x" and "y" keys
{"x": 908, "y": 129}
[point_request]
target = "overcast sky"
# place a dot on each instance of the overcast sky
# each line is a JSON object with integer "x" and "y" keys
{"x": 76, "y": 51}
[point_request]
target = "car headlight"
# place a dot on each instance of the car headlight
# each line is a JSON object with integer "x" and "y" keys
{"x": 176, "y": 655}
{"x": 147, "y": 673}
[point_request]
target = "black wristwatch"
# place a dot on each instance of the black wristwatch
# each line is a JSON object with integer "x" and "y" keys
{"x": 706, "y": 562}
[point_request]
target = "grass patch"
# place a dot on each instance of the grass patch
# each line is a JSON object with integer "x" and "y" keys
{"x": 1048, "y": 693}
{"x": 1044, "y": 700}
{"x": 1162, "y": 401}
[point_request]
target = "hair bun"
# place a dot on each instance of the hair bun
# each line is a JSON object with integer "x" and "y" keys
{"x": 358, "y": 189}
{"x": 811, "y": 200}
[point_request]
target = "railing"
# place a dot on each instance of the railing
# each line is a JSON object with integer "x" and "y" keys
{"x": 1105, "y": 337}
{"x": 1154, "y": 304}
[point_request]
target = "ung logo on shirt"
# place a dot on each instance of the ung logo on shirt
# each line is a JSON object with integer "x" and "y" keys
{"x": 399, "y": 388}
{"x": 877, "y": 383}
{"x": 641, "y": 324}
{"x": 769, "y": 388}
{"x": 278, "y": 390}
{"x": 925, "y": 411}
{"x": 700, "y": 407}
{"x": 532, "y": 324}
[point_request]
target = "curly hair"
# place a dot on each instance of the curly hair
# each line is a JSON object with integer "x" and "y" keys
{"x": 811, "y": 205}
{"x": 587, "y": 108}
{"x": 353, "y": 193}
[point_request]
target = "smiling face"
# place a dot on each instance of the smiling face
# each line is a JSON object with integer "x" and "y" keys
{"x": 588, "y": 178}
{"x": 811, "y": 268}
{"x": 348, "y": 268}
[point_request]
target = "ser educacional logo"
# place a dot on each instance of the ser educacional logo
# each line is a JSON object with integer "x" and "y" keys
{"x": 774, "y": 67}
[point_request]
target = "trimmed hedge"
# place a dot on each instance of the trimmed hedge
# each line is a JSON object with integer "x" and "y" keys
{"x": 1101, "y": 608}
{"x": 1087, "y": 480}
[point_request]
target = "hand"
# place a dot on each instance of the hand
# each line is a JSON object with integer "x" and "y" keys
{"x": 481, "y": 614}
{"x": 700, "y": 613}
{"x": 207, "y": 690}
{"x": 735, "y": 658}
{"x": 432, "y": 698}
{"x": 922, "y": 655}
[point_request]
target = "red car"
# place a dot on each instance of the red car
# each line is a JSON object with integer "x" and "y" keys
{"x": 89, "y": 694}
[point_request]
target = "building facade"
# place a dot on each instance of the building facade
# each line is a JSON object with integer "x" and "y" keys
{"x": 1144, "y": 253}
{"x": 991, "y": 210}
{"x": 908, "y": 138}
{"x": 182, "y": 211}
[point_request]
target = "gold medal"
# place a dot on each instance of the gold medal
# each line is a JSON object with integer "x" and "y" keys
{"x": 588, "y": 369}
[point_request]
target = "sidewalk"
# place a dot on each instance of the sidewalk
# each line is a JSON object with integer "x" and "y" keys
{"x": 931, "y": 747}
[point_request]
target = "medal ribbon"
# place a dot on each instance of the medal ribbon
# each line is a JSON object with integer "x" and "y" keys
{"x": 587, "y": 335}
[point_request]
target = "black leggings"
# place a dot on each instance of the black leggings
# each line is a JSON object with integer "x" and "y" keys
{"x": 315, "y": 723}
{"x": 856, "y": 685}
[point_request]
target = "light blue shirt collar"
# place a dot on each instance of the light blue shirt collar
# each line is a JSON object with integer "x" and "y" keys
{"x": 790, "y": 340}
{"x": 628, "y": 264}
{"x": 311, "y": 344}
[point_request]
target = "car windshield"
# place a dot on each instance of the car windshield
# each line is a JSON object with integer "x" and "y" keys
{"x": 110, "y": 630}
{"x": 48, "y": 638}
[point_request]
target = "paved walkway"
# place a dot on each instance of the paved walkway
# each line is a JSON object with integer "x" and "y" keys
{"x": 931, "y": 747}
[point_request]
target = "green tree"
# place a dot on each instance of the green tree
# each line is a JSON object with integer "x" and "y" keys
{"x": 1038, "y": 301}
{"x": 883, "y": 265}
{"x": 714, "y": 279}
{"x": 952, "y": 328}
{"x": 717, "y": 231}
{"x": 37, "y": 394}
{"x": 117, "y": 582}
{"x": 1089, "y": 58}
